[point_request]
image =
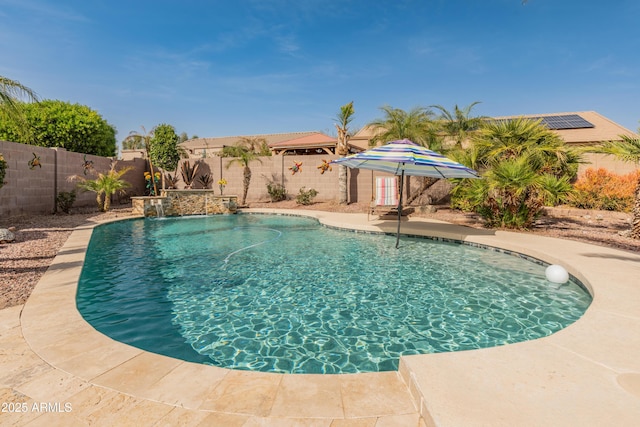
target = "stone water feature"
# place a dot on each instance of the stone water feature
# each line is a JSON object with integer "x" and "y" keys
{"x": 184, "y": 202}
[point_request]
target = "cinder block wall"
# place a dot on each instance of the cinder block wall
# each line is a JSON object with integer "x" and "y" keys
{"x": 270, "y": 169}
{"x": 33, "y": 190}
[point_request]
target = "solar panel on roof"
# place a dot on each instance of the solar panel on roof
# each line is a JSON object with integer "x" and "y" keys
{"x": 566, "y": 121}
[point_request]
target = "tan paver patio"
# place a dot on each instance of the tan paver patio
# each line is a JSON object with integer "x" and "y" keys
{"x": 587, "y": 374}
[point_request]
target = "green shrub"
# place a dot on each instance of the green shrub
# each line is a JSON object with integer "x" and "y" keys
{"x": 277, "y": 192}
{"x": 65, "y": 200}
{"x": 305, "y": 197}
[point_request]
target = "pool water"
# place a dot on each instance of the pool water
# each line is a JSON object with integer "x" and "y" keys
{"x": 284, "y": 294}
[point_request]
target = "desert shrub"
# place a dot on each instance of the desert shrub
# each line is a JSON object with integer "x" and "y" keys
{"x": 65, "y": 200}
{"x": 276, "y": 191}
{"x": 604, "y": 190}
{"x": 305, "y": 197}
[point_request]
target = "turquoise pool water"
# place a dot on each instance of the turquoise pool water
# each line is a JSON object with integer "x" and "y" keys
{"x": 284, "y": 294}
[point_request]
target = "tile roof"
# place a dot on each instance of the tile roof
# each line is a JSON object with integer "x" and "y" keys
{"x": 314, "y": 140}
{"x": 219, "y": 142}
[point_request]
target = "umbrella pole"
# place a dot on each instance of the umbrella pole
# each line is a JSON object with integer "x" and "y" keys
{"x": 400, "y": 209}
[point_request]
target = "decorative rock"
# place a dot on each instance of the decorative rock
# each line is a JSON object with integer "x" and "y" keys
{"x": 6, "y": 236}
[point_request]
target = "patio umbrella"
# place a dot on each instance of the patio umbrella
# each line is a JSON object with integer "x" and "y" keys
{"x": 405, "y": 157}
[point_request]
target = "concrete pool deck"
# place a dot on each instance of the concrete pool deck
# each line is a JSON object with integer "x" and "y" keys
{"x": 57, "y": 370}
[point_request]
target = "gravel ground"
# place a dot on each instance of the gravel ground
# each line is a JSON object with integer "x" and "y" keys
{"x": 39, "y": 237}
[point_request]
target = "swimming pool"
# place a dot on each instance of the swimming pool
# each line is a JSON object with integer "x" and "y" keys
{"x": 284, "y": 294}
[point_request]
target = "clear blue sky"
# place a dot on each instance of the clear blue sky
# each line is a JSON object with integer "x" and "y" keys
{"x": 236, "y": 67}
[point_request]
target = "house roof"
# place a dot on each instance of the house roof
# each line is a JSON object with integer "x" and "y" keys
{"x": 603, "y": 129}
{"x": 308, "y": 141}
{"x": 217, "y": 143}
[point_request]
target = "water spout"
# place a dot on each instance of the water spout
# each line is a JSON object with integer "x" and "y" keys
{"x": 159, "y": 208}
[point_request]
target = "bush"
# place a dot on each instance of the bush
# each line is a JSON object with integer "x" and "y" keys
{"x": 305, "y": 197}
{"x": 277, "y": 192}
{"x": 604, "y": 190}
{"x": 3, "y": 169}
{"x": 65, "y": 200}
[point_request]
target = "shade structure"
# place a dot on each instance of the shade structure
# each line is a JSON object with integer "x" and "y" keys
{"x": 405, "y": 157}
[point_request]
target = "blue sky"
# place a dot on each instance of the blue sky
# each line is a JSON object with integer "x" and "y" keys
{"x": 218, "y": 67}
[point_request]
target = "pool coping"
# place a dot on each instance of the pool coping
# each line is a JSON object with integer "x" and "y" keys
{"x": 587, "y": 374}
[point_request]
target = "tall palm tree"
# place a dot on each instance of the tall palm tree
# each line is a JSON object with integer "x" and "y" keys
{"x": 627, "y": 150}
{"x": 343, "y": 119}
{"x": 242, "y": 154}
{"x": 416, "y": 125}
{"x": 458, "y": 124}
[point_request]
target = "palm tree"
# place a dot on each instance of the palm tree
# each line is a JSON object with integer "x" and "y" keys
{"x": 144, "y": 140}
{"x": 11, "y": 91}
{"x": 343, "y": 119}
{"x": 627, "y": 150}
{"x": 524, "y": 165}
{"x": 243, "y": 154}
{"x": 416, "y": 125}
{"x": 510, "y": 139}
{"x": 105, "y": 185}
{"x": 458, "y": 124}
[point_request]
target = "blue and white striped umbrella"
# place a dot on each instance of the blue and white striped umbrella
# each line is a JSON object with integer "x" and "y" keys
{"x": 405, "y": 157}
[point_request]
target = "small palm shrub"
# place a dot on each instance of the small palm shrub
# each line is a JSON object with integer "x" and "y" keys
{"x": 305, "y": 197}
{"x": 511, "y": 194}
{"x": 604, "y": 190}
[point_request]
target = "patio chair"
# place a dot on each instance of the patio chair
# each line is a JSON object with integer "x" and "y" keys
{"x": 385, "y": 197}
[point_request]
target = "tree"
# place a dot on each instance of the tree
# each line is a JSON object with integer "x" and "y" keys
{"x": 54, "y": 123}
{"x": 627, "y": 150}
{"x": 164, "y": 149}
{"x": 458, "y": 125}
{"x": 416, "y": 125}
{"x": 243, "y": 153}
{"x": 144, "y": 139}
{"x": 524, "y": 166}
{"x": 343, "y": 119}
{"x": 105, "y": 185}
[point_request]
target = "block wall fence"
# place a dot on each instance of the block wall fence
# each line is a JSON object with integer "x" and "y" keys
{"x": 34, "y": 190}
{"x": 27, "y": 191}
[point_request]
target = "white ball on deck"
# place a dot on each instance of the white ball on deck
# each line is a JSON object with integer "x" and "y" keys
{"x": 556, "y": 274}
